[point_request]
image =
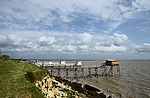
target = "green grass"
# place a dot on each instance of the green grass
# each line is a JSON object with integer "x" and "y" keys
{"x": 17, "y": 80}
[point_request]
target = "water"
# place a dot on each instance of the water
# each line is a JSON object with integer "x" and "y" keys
{"x": 134, "y": 83}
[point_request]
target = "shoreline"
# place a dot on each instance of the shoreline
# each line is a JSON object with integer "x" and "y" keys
{"x": 52, "y": 86}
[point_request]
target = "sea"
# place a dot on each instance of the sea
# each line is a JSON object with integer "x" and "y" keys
{"x": 134, "y": 81}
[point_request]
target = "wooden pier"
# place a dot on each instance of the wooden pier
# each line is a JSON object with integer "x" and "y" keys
{"x": 73, "y": 71}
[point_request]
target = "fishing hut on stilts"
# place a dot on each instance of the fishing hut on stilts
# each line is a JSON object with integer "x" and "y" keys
{"x": 75, "y": 70}
{"x": 111, "y": 68}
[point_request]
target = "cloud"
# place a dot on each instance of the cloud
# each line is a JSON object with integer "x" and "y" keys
{"x": 14, "y": 41}
{"x": 120, "y": 39}
{"x": 111, "y": 48}
{"x": 141, "y": 4}
{"x": 3, "y": 41}
{"x": 83, "y": 47}
{"x": 46, "y": 41}
{"x": 117, "y": 40}
{"x": 143, "y": 48}
{"x": 37, "y": 14}
{"x": 108, "y": 41}
{"x": 14, "y": 45}
{"x": 68, "y": 49}
{"x": 84, "y": 39}
{"x": 74, "y": 26}
{"x": 115, "y": 43}
{"x": 64, "y": 44}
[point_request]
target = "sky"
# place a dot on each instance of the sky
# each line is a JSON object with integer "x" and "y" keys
{"x": 75, "y": 29}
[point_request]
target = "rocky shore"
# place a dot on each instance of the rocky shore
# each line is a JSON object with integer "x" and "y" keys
{"x": 53, "y": 86}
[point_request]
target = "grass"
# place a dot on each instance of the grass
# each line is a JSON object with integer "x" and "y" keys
{"x": 17, "y": 80}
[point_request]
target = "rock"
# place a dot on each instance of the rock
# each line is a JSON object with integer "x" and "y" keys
{"x": 94, "y": 97}
{"x": 36, "y": 84}
{"x": 40, "y": 84}
{"x": 102, "y": 95}
{"x": 88, "y": 87}
{"x": 77, "y": 87}
{"x": 45, "y": 80}
{"x": 66, "y": 81}
{"x": 92, "y": 93}
{"x": 59, "y": 79}
{"x": 50, "y": 94}
{"x": 109, "y": 97}
{"x": 50, "y": 84}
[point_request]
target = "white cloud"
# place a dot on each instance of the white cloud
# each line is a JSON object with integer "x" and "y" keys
{"x": 123, "y": 8}
{"x": 15, "y": 45}
{"x": 3, "y": 40}
{"x": 117, "y": 40}
{"x": 113, "y": 25}
{"x": 46, "y": 41}
{"x": 83, "y": 47}
{"x": 112, "y": 48}
{"x": 108, "y": 41}
{"x": 114, "y": 43}
{"x": 84, "y": 39}
{"x": 50, "y": 26}
{"x": 31, "y": 14}
{"x": 120, "y": 39}
{"x": 68, "y": 49}
{"x": 143, "y": 48}
{"x": 14, "y": 41}
{"x": 141, "y": 4}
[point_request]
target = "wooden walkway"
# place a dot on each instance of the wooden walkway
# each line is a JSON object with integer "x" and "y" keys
{"x": 73, "y": 71}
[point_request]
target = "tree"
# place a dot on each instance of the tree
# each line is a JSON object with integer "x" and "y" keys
{"x": 6, "y": 57}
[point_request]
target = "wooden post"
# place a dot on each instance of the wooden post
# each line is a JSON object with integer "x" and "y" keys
{"x": 58, "y": 72}
{"x": 118, "y": 71}
{"x": 89, "y": 73}
{"x": 51, "y": 71}
{"x": 96, "y": 72}
{"x": 75, "y": 73}
{"x": 65, "y": 66}
{"x": 82, "y": 72}
{"x": 67, "y": 71}
{"x": 104, "y": 71}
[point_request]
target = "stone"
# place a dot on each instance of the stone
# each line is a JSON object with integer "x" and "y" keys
{"x": 102, "y": 95}
{"x": 109, "y": 97}
{"x": 88, "y": 87}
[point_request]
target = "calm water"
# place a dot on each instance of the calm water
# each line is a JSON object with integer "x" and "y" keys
{"x": 134, "y": 83}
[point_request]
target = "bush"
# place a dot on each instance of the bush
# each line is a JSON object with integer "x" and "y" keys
{"x": 30, "y": 76}
{"x": 6, "y": 57}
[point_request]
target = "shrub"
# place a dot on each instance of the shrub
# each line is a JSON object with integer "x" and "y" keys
{"x": 30, "y": 76}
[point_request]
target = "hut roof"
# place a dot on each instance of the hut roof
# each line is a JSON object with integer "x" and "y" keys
{"x": 111, "y": 59}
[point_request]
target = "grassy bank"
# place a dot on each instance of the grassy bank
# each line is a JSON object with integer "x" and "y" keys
{"x": 17, "y": 80}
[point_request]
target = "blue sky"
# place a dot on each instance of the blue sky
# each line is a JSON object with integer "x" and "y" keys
{"x": 75, "y": 29}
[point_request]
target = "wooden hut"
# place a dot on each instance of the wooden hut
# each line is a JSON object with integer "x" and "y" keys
{"x": 111, "y": 62}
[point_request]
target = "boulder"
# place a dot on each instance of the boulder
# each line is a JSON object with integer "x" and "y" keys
{"x": 88, "y": 87}
{"x": 102, "y": 95}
